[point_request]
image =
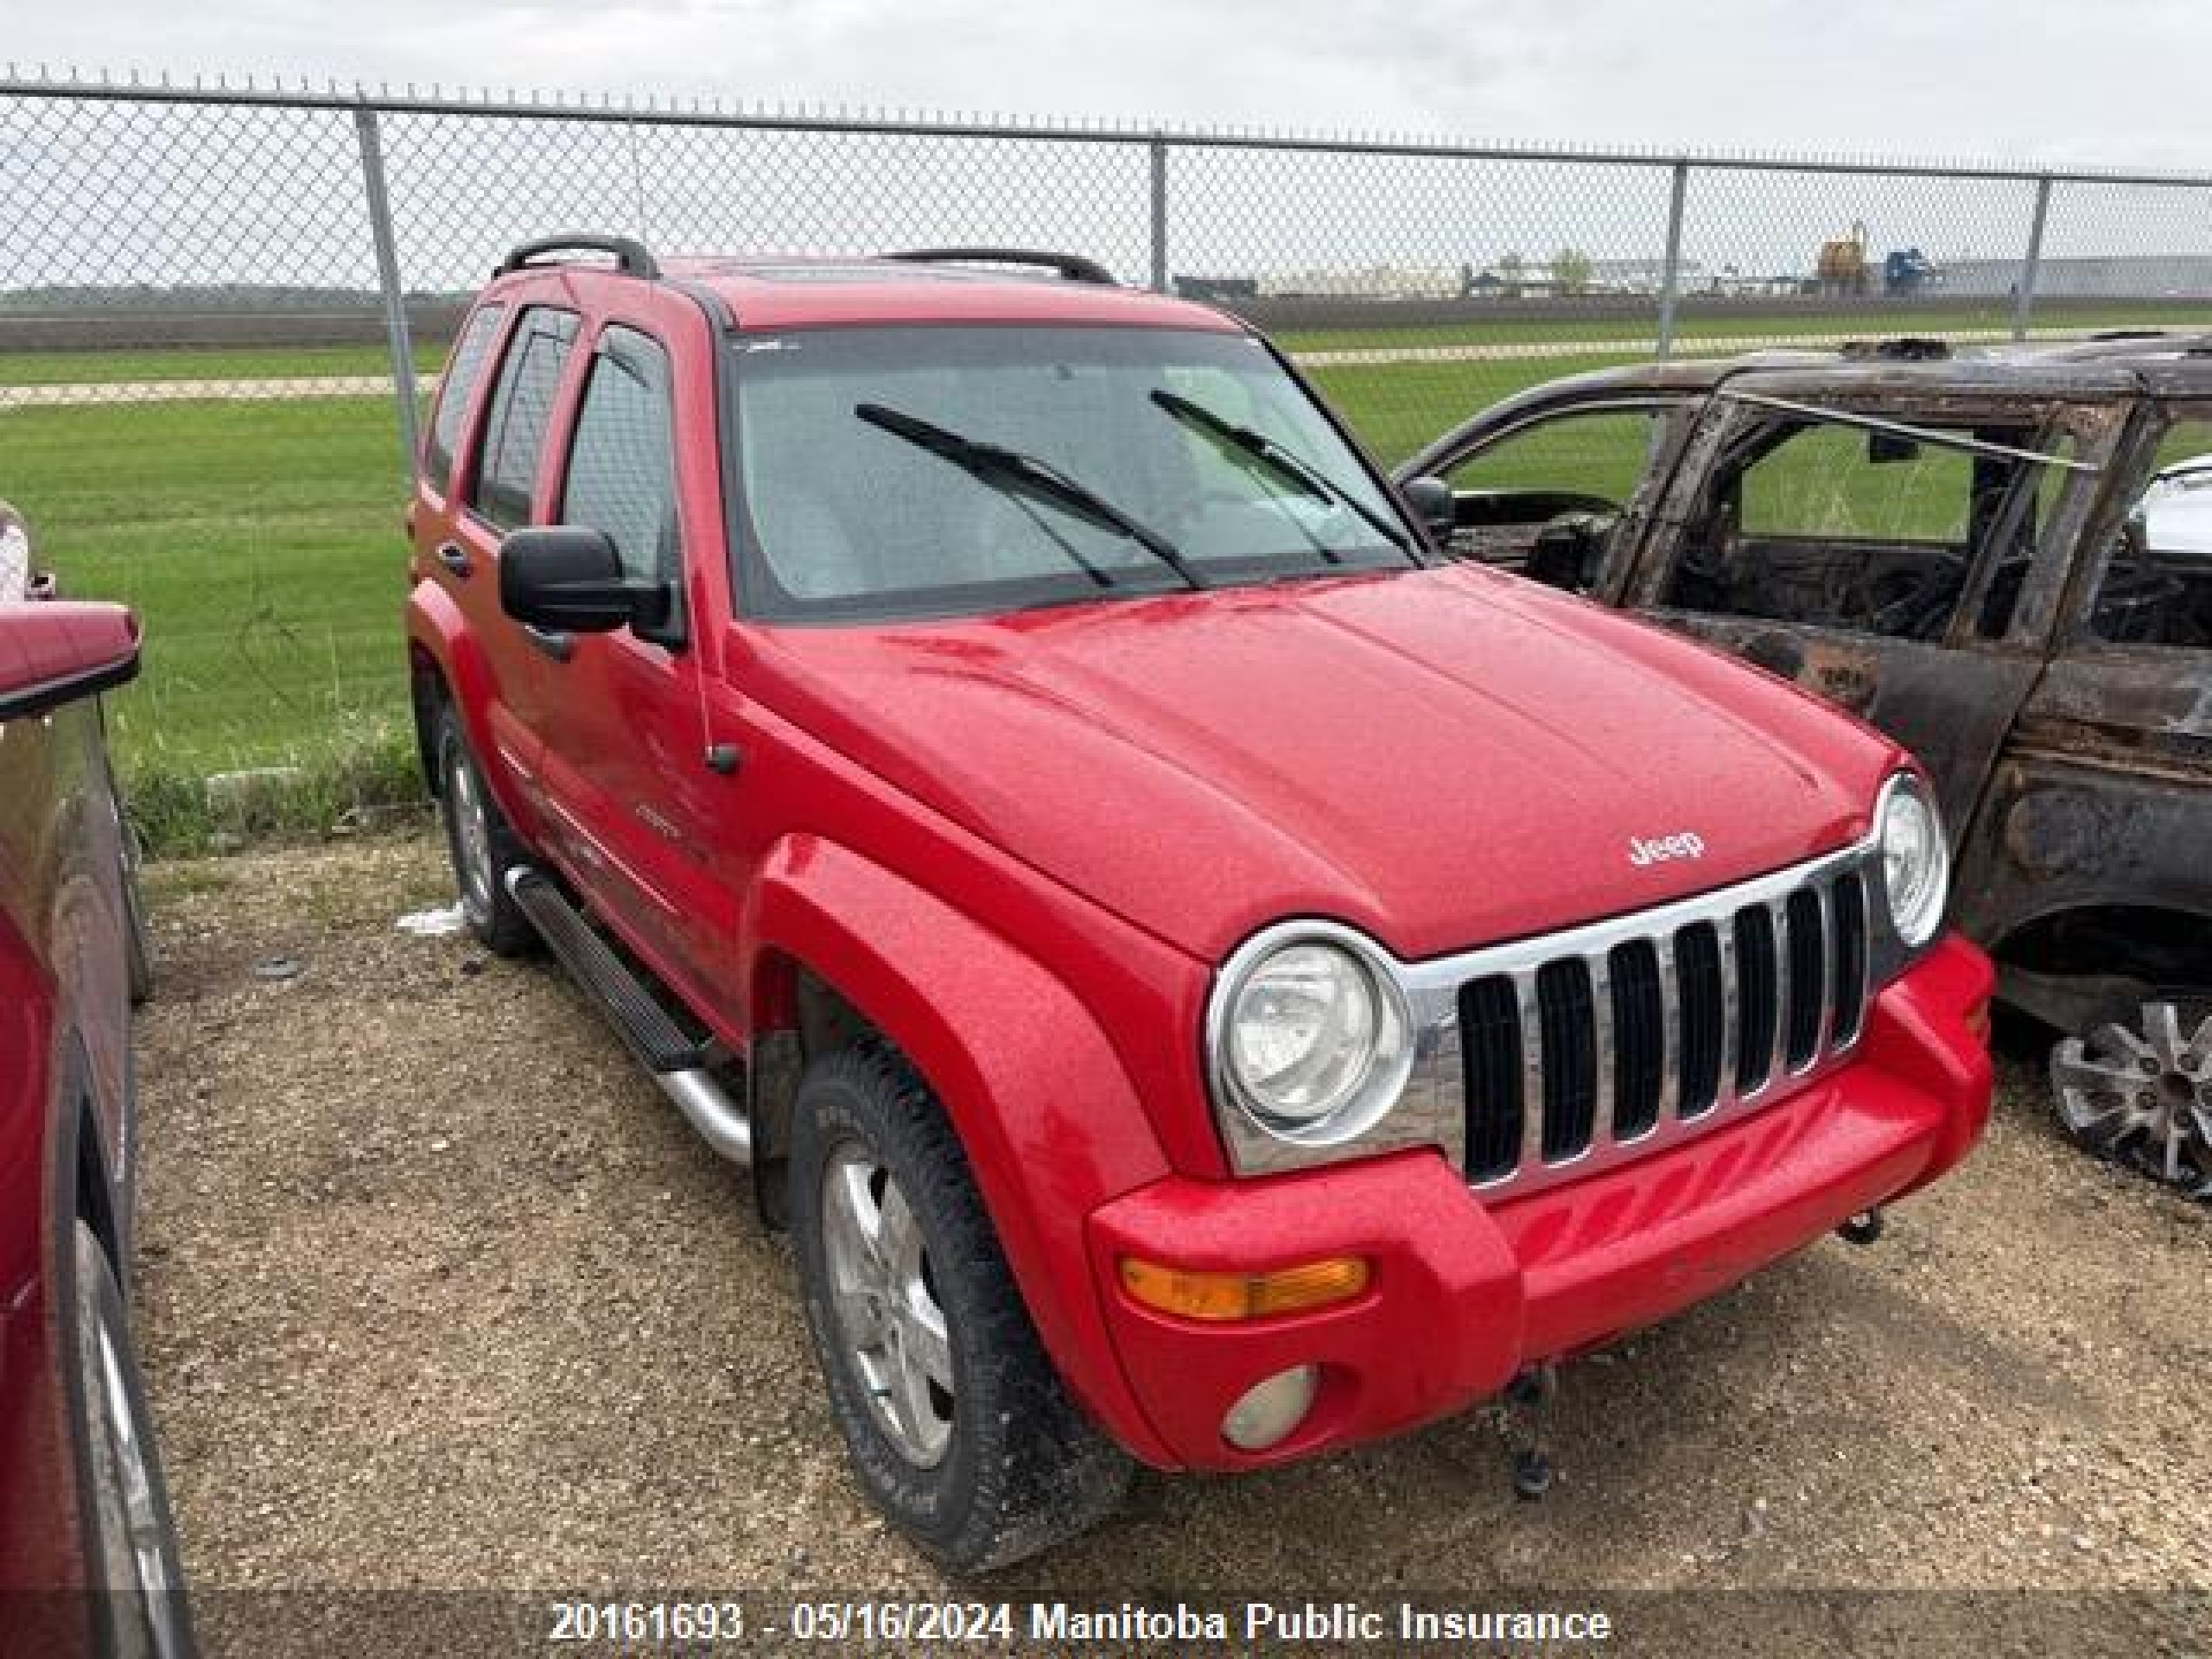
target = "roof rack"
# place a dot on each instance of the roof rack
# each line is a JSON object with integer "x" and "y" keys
{"x": 1903, "y": 348}
{"x": 1071, "y": 267}
{"x": 631, "y": 257}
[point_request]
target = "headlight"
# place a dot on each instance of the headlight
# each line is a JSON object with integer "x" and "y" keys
{"x": 1915, "y": 864}
{"x": 1310, "y": 1035}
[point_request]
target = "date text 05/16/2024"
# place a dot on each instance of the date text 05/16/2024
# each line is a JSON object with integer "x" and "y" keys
{"x": 589, "y": 1622}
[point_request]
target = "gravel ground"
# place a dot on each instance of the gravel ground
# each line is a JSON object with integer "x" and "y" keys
{"x": 447, "y": 1317}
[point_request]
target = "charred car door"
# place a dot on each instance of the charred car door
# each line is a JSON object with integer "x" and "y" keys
{"x": 1877, "y": 553}
{"x": 2092, "y": 852}
{"x": 1558, "y": 492}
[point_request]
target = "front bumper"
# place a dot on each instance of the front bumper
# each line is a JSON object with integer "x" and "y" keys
{"x": 1464, "y": 1295}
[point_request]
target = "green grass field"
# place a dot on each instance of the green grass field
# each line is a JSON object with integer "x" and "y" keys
{"x": 181, "y": 363}
{"x": 261, "y": 543}
{"x": 251, "y": 363}
{"x": 262, "y": 540}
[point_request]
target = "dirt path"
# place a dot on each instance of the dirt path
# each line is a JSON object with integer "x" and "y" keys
{"x": 439, "y": 1295}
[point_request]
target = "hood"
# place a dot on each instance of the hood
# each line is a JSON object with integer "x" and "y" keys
{"x": 1445, "y": 758}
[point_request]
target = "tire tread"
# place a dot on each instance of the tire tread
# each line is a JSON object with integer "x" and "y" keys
{"x": 1042, "y": 1472}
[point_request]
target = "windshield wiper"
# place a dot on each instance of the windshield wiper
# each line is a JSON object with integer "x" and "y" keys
{"x": 1300, "y": 475}
{"x": 1026, "y": 474}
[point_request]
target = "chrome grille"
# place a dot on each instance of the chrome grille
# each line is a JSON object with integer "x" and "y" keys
{"x": 1631, "y": 1034}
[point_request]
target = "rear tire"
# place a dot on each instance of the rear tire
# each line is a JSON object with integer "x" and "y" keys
{"x": 2139, "y": 1092}
{"x": 137, "y": 1583}
{"x": 958, "y": 1426}
{"x": 482, "y": 846}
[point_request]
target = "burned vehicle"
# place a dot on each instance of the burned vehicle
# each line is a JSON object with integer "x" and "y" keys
{"x": 2003, "y": 559}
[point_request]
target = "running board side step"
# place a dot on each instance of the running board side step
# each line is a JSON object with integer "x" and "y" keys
{"x": 678, "y": 1063}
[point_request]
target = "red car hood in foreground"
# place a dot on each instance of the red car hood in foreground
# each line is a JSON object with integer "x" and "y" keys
{"x": 1445, "y": 758}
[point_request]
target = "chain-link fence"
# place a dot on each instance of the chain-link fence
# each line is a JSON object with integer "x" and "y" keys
{"x": 218, "y": 306}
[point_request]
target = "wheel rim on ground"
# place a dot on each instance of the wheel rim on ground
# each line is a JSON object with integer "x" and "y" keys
{"x": 884, "y": 1301}
{"x": 2144, "y": 1095}
{"x": 470, "y": 831}
{"x": 133, "y": 1538}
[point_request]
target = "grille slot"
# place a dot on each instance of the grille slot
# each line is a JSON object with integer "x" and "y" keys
{"x": 1570, "y": 1056}
{"x": 1704, "y": 1016}
{"x": 1639, "y": 1037}
{"x": 1576, "y": 1044}
{"x": 1758, "y": 998}
{"x": 1848, "y": 906}
{"x": 1809, "y": 960}
{"x": 1490, "y": 1037}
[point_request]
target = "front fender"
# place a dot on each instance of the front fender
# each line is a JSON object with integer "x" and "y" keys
{"x": 1051, "y": 1124}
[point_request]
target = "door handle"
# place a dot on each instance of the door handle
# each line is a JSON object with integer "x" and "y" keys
{"x": 560, "y": 646}
{"x": 451, "y": 557}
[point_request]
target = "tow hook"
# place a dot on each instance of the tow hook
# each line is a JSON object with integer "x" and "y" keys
{"x": 1528, "y": 1395}
{"x": 1864, "y": 1228}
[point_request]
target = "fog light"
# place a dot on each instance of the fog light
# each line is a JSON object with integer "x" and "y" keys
{"x": 1270, "y": 1410}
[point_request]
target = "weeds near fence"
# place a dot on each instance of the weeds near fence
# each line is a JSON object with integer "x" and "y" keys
{"x": 364, "y": 779}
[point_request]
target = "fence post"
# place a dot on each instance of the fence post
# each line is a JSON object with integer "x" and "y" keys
{"x": 2024, "y": 296}
{"x": 396, "y": 338}
{"x": 1670, "y": 275}
{"x": 1158, "y": 214}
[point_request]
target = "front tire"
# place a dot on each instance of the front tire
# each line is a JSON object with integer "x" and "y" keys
{"x": 481, "y": 845}
{"x": 139, "y": 1608}
{"x": 957, "y": 1424}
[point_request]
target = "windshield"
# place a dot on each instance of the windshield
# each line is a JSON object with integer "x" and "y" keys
{"x": 940, "y": 471}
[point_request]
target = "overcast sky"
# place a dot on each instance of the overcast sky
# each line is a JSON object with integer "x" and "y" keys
{"x": 2120, "y": 83}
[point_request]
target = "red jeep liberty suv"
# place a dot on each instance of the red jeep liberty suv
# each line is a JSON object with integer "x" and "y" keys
{"x": 1203, "y": 979}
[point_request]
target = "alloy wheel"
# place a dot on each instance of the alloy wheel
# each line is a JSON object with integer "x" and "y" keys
{"x": 136, "y": 1567}
{"x": 888, "y": 1316}
{"x": 2144, "y": 1095}
{"x": 471, "y": 833}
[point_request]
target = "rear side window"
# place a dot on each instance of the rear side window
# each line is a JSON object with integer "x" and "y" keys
{"x": 458, "y": 391}
{"x": 522, "y": 408}
{"x": 621, "y": 474}
{"x": 1870, "y": 529}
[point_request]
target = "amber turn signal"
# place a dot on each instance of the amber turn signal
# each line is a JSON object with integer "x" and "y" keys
{"x": 1978, "y": 1023}
{"x": 1219, "y": 1297}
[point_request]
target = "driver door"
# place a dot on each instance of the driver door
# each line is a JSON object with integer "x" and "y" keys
{"x": 1879, "y": 558}
{"x": 1549, "y": 493}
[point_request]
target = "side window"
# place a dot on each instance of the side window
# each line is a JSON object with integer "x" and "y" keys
{"x": 522, "y": 407}
{"x": 621, "y": 474}
{"x": 458, "y": 390}
{"x": 2157, "y": 587}
{"x": 1595, "y": 453}
{"x": 1844, "y": 483}
{"x": 1840, "y": 526}
{"x": 1544, "y": 498}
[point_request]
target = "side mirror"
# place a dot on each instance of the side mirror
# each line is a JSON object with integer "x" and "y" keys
{"x": 1433, "y": 504}
{"x": 56, "y": 651}
{"x": 569, "y": 579}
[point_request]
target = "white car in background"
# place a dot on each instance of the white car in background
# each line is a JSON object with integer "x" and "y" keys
{"x": 2176, "y": 511}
